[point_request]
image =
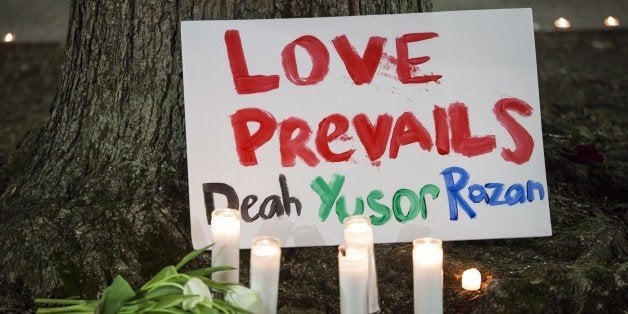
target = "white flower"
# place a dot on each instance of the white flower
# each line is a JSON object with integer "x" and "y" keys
{"x": 244, "y": 298}
{"x": 196, "y": 287}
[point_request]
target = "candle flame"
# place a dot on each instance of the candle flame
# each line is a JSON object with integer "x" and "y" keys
{"x": 9, "y": 37}
{"x": 266, "y": 250}
{"x": 266, "y": 246}
{"x": 226, "y": 220}
{"x": 611, "y": 22}
{"x": 562, "y": 23}
{"x": 427, "y": 251}
{"x": 471, "y": 279}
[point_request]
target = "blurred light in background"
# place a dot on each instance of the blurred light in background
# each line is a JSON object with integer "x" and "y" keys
{"x": 562, "y": 23}
{"x": 8, "y": 38}
{"x": 611, "y": 22}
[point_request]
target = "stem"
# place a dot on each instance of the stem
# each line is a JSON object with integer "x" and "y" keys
{"x": 60, "y": 301}
{"x": 158, "y": 283}
{"x": 78, "y": 308}
{"x": 168, "y": 284}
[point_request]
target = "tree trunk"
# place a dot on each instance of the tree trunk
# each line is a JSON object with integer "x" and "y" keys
{"x": 105, "y": 191}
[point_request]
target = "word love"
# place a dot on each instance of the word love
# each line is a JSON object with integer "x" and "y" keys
{"x": 361, "y": 69}
{"x": 452, "y": 132}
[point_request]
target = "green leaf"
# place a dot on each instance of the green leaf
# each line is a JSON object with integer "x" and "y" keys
{"x": 215, "y": 285}
{"x": 172, "y": 301}
{"x": 128, "y": 309}
{"x": 115, "y": 296}
{"x": 222, "y": 306}
{"x": 170, "y": 311}
{"x": 186, "y": 259}
{"x": 163, "y": 291}
{"x": 59, "y": 301}
{"x": 167, "y": 284}
{"x": 209, "y": 270}
{"x": 228, "y": 307}
{"x": 207, "y": 310}
{"x": 83, "y": 307}
{"x": 158, "y": 310}
{"x": 176, "y": 280}
{"x": 145, "y": 306}
{"x": 166, "y": 272}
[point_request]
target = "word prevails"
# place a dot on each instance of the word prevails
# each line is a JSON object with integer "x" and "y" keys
{"x": 452, "y": 132}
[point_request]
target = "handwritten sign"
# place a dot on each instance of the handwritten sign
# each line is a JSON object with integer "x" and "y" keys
{"x": 427, "y": 123}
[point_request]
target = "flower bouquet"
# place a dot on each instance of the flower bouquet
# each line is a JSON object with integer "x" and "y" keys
{"x": 170, "y": 291}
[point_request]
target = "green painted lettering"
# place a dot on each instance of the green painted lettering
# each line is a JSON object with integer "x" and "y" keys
{"x": 327, "y": 193}
{"x": 430, "y": 189}
{"x": 413, "y": 211}
{"x": 383, "y": 210}
{"x": 341, "y": 208}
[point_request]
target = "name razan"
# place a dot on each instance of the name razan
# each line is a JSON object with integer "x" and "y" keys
{"x": 492, "y": 193}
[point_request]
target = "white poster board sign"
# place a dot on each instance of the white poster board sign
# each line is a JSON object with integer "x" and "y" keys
{"x": 428, "y": 123}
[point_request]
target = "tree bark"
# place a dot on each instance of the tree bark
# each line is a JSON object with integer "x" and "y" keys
{"x": 105, "y": 191}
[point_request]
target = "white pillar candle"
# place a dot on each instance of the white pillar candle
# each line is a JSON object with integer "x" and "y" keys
{"x": 427, "y": 258}
{"x": 265, "y": 260}
{"x": 225, "y": 230}
{"x": 471, "y": 279}
{"x": 359, "y": 231}
{"x": 353, "y": 273}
